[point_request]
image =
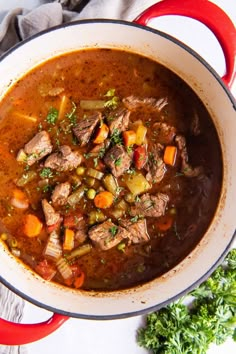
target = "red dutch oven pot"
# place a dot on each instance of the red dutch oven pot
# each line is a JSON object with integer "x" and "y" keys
{"x": 214, "y": 92}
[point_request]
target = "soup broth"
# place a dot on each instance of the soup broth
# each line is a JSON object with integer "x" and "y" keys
{"x": 110, "y": 169}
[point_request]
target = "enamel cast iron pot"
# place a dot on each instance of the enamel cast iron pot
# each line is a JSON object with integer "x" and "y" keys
{"x": 215, "y": 94}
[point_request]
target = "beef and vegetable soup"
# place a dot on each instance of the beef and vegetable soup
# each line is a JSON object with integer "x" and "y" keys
{"x": 110, "y": 169}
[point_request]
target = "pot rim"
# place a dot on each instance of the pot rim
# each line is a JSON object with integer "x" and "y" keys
{"x": 132, "y": 24}
{"x": 225, "y": 251}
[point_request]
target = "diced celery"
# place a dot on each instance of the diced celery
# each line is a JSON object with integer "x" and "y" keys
{"x": 76, "y": 196}
{"x": 92, "y": 104}
{"x": 91, "y": 172}
{"x": 110, "y": 183}
{"x": 80, "y": 251}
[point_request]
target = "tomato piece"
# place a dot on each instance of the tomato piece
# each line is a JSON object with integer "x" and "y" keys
{"x": 46, "y": 270}
{"x": 140, "y": 157}
{"x": 54, "y": 227}
{"x": 72, "y": 220}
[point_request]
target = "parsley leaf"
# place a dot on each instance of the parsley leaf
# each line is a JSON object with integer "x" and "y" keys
{"x": 118, "y": 161}
{"x": 112, "y": 103}
{"x": 52, "y": 116}
{"x": 211, "y": 318}
{"x": 110, "y": 93}
{"x": 71, "y": 115}
{"x": 116, "y": 138}
{"x": 46, "y": 172}
{"x": 113, "y": 100}
{"x": 113, "y": 230}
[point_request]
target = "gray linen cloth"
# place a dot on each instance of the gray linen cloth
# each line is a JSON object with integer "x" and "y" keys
{"x": 17, "y": 24}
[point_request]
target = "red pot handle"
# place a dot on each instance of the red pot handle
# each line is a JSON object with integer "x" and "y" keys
{"x": 18, "y": 334}
{"x": 209, "y": 14}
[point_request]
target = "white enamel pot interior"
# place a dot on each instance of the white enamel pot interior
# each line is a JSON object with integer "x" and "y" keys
{"x": 221, "y": 106}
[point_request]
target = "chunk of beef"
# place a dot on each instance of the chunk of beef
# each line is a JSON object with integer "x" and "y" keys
{"x": 85, "y": 128}
{"x": 107, "y": 235}
{"x": 100, "y": 149}
{"x": 118, "y": 120}
{"x": 155, "y": 166}
{"x": 51, "y": 216}
{"x": 117, "y": 160}
{"x": 61, "y": 193}
{"x": 38, "y": 147}
{"x": 163, "y": 132}
{"x": 133, "y": 103}
{"x": 81, "y": 233}
{"x": 46, "y": 270}
{"x": 64, "y": 159}
{"x": 137, "y": 230}
{"x": 186, "y": 168}
{"x": 150, "y": 205}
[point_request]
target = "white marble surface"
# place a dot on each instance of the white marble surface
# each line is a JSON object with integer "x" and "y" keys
{"x": 119, "y": 336}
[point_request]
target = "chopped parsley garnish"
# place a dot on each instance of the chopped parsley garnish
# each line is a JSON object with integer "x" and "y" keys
{"x": 46, "y": 172}
{"x": 74, "y": 140}
{"x": 27, "y": 167}
{"x": 71, "y": 115}
{"x": 87, "y": 155}
{"x": 52, "y": 116}
{"x": 118, "y": 161}
{"x": 118, "y": 190}
{"x": 135, "y": 218}
{"x": 151, "y": 158}
{"x": 113, "y": 230}
{"x": 112, "y": 103}
{"x": 179, "y": 328}
{"x": 129, "y": 149}
{"x": 101, "y": 152}
{"x": 116, "y": 138}
{"x": 57, "y": 142}
{"x": 47, "y": 188}
{"x": 113, "y": 100}
{"x": 110, "y": 93}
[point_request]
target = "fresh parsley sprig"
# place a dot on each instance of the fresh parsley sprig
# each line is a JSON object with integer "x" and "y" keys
{"x": 182, "y": 329}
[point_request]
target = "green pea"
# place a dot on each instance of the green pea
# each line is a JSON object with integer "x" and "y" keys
{"x": 91, "y": 193}
{"x": 90, "y": 181}
{"x": 80, "y": 170}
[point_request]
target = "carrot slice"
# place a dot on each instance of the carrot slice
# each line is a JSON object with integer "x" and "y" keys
{"x": 165, "y": 222}
{"x": 72, "y": 220}
{"x": 69, "y": 238}
{"x": 79, "y": 281}
{"x": 102, "y": 134}
{"x": 32, "y": 225}
{"x": 103, "y": 200}
{"x": 170, "y": 155}
{"x": 129, "y": 137}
